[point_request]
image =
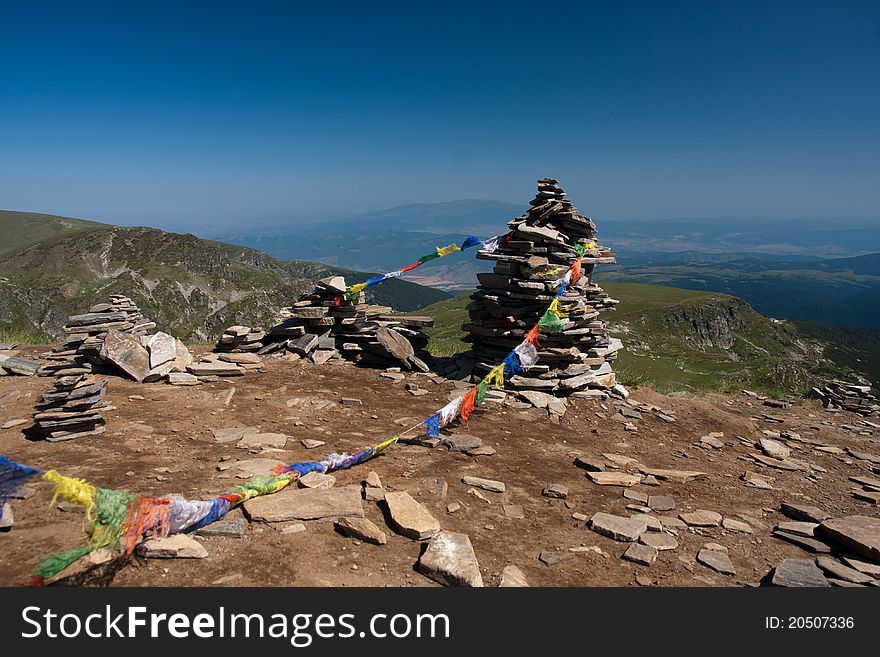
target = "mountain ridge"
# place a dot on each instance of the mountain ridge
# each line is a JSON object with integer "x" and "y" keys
{"x": 191, "y": 287}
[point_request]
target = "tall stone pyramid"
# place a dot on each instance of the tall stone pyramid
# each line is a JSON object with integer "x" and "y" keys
{"x": 529, "y": 261}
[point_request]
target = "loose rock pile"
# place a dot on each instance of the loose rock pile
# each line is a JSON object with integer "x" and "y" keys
{"x": 74, "y": 409}
{"x": 837, "y": 395}
{"x": 511, "y": 299}
{"x": 327, "y": 325}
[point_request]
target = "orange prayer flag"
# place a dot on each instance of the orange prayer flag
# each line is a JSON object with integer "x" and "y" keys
{"x": 467, "y": 404}
{"x": 575, "y": 271}
{"x": 532, "y": 335}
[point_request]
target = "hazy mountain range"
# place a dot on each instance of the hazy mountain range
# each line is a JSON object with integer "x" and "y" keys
{"x": 821, "y": 270}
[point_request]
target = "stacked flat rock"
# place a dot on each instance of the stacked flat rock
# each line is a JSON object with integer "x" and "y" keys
{"x": 240, "y": 339}
{"x": 512, "y": 298}
{"x": 73, "y": 409}
{"x": 326, "y": 324}
{"x": 855, "y": 397}
{"x": 86, "y": 334}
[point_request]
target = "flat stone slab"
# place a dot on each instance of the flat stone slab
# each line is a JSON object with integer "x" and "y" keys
{"x": 229, "y": 527}
{"x": 162, "y": 348}
{"x": 619, "y": 528}
{"x": 589, "y": 464}
{"x": 449, "y": 559}
{"x": 660, "y": 541}
{"x": 613, "y": 478}
{"x": 215, "y": 368}
{"x": 253, "y": 467}
{"x": 178, "y": 546}
{"x": 9, "y": 424}
{"x": 834, "y": 568}
{"x": 774, "y": 449}
{"x": 182, "y": 379}
{"x": 409, "y": 517}
{"x": 861, "y": 534}
{"x": 21, "y": 366}
{"x": 128, "y": 354}
{"x": 798, "y": 573}
{"x": 675, "y": 476}
{"x": 557, "y": 491}
{"x": 717, "y": 560}
{"x": 512, "y": 577}
{"x": 661, "y": 502}
{"x": 701, "y": 518}
{"x": 640, "y": 553}
{"x": 7, "y": 518}
{"x": 536, "y": 398}
{"x": 462, "y": 442}
{"x": 807, "y": 529}
{"x": 316, "y": 480}
{"x": 808, "y": 544}
{"x": 872, "y": 569}
{"x": 232, "y": 434}
{"x": 311, "y": 443}
{"x": 257, "y": 440}
{"x": 736, "y": 526}
{"x": 362, "y": 529}
{"x": 243, "y": 358}
{"x": 306, "y": 504}
{"x": 486, "y": 484}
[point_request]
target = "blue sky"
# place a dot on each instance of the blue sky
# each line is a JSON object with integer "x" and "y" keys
{"x": 215, "y": 113}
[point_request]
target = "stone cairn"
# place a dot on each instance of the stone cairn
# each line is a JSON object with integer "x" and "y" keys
{"x": 73, "y": 409}
{"x": 86, "y": 334}
{"x": 326, "y": 325}
{"x": 838, "y": 395}
{"x": 511, "y": 299}
{"x": 114, "y": 337}
{"x": 240, "y": 339}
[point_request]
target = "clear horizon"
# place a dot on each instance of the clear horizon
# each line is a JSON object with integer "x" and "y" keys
{"x": 217, "y": 115}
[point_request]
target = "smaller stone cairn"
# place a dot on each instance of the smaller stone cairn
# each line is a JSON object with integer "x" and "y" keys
{"x": 73, "y": 409}
{"x": 326, "y": 325}
{"x": 240, "y": 339}
{"x": 854, "y": 397}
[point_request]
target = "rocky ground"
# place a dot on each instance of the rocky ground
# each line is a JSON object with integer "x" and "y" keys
{"x": 708, "y": 479}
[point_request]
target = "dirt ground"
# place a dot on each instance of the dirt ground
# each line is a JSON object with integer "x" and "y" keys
{"x": 162, "y": 444}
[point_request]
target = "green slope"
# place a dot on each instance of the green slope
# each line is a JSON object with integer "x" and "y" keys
{"x": 192, "y": 288}
{"x": 679, "y": 339}
{"x": 22, "y": 229}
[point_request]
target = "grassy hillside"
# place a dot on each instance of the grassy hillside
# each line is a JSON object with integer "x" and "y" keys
{"x": 192, "y": 288}
{"x": 680, "y": 339}
{"x": 856, "y": 347}
{"x": 22, "y": 229}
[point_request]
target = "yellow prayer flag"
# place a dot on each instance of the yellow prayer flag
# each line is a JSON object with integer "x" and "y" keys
{"x": 446, "y": 250}
{"x": 495, "y": 376}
